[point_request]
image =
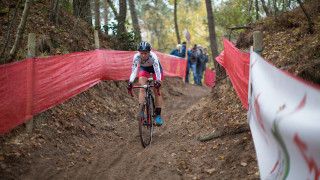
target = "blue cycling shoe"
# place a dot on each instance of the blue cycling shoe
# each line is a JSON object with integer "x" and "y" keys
{"x": 158, "y": 121}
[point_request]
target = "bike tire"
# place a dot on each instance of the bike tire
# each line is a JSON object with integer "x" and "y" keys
{"x": 145, "y": 124}
{"x": 152, "y": 109}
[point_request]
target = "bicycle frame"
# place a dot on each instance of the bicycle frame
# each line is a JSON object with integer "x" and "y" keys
{"x": 146, "y": 121}
{"x": 147, "y": 87}
{"x": 148, "y": 95}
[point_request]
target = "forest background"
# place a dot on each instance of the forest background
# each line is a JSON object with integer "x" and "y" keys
{"x": 162, "y": 22}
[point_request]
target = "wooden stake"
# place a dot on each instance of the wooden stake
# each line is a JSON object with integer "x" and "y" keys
{"x": 96, "y": 39}
{"x": 31, "y": 53}
{"x": 257, "y": 42}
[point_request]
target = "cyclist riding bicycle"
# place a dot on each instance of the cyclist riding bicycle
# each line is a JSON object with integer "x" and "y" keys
{"x": 149, "y": 63}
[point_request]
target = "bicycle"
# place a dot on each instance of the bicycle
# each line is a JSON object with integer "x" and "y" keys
{"x": 146, "y": 115}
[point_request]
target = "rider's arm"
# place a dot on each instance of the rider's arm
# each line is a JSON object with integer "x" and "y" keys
{"x": 156, "y": 67}
{"x": 134, "y": 68}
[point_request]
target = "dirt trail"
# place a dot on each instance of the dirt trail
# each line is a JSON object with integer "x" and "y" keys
{"x": 94, "y": 135}
{"x": 127, "y": 159}
{"x": 112, "y": 148}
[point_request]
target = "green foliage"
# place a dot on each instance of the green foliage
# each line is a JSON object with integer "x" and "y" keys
{"x": 65, "y": 50}
{"x": 68, "y": 6}
{"x": 271, "y": 21}
{"x": 232, "y": 14}
{"x": 122, "y": 40}
{"x": 44, "y": 54}
{"x": 42, "y": 10}
{"x": 4, "y": 11}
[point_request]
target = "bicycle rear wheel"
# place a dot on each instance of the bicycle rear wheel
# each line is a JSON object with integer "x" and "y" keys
{"x": 145, "y": 124}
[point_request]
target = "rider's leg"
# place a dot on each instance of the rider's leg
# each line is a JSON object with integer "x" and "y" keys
{"x": 158, "y": 98}
{"x": 158, "y": 104}
{"x": 142, "y": 92}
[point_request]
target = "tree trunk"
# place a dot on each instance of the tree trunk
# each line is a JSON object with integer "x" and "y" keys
{"x": 87, "y": 11}
{"x": 97, "y": 15}
{"x": 65, "y": 3}
{"x": 135, "y": 21}
{"x": 307, "y": 15}
{"x": 105, "y": 15}
{"x": 257, "y": 10}
{"x": 266, "y": 10}
{"x": 213, "y": 41}
{"x": 81, "y": 8}
{"x": 51, "y": 11}
{"x": 9, "y": 30}
{"x": 56, "y": 9}
{"x": 113, "y": 9}
{"x": 75, "y": 6}
{"x": 249, "y": 12}
{"x": 21, "y": 28}
{"x": 122, "y": 15}
{"x": 176, "y": 21}
{"x": 275, "y": 9}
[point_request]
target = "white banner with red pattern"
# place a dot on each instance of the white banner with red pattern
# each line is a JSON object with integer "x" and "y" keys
{"x": 284, "y": 118}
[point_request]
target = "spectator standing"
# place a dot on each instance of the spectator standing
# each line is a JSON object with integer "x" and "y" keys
{"x": 199, "y": 65}
{"x": 176, "y": 52}
{"x": 183, "y": 50}
{"x": 204, "y": 60}
{"x": 193, "y": 58}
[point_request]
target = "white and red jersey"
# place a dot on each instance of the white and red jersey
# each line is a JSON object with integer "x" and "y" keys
{"x": 152, "y": 61}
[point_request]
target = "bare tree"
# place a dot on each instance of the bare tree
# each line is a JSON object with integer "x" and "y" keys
{"x": 105, "y": 15}
{"x": 113, "y": 8}
{"x": 257, "y": 10}
{"x": 97, "y": 23}
{"x": 249, "y": 12}
{"x": 54, "y": 11}
{"x": 176, "y": 21}
{"x": 134, "y": 17}
{"x": 307, "y": 15}
{"x": 21, "y": 28}
{"x": 81, "y": 9}
{"x": 265, "y": 8}
{"x": 9, "y": 29}
{"x": 275, "y": 9}
{"x": 122, "y": 15}
{"x": 213, "y": 40}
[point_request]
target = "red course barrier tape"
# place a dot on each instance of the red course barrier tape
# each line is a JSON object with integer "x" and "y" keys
{"x": 33, "y": 85}
{"x": 237, "y": 65}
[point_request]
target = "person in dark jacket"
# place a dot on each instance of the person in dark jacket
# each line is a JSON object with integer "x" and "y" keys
{"x": 176, "y": 52}
{"x": 193, "y": 58}
{"x": 183, "y": 50}
{"x": 200, "y": 65}
{"x": 203, "y": 61}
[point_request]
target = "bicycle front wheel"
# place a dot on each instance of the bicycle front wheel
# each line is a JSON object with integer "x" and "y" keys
{"x": 145, "y": 124}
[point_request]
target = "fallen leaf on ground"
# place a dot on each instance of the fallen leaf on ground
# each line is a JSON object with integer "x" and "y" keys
{"x": 210, "y": 171}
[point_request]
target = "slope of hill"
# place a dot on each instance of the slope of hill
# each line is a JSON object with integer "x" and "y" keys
{"x": 93, "y": 135}
{"x": 70, "y": 34}
{"x": 288, "y": 44}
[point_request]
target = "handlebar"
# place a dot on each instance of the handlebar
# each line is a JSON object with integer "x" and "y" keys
{"x": 145, "y": 87}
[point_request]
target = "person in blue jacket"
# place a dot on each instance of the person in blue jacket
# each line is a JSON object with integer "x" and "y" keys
{"x": 176, "y": 52}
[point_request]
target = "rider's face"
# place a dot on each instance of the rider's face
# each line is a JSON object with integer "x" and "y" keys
{"x": 144, "y": 55}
